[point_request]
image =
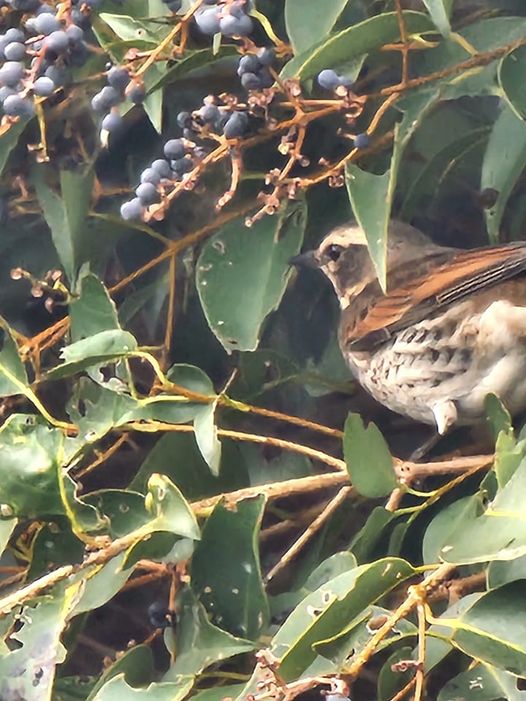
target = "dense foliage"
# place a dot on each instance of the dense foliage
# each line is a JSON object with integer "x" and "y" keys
{"x": 176, "y": 518}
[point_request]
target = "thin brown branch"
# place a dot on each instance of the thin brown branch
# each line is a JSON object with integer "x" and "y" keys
{"x": 309, "y": 533}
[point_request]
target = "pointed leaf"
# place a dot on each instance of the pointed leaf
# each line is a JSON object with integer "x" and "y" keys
{"x": 13, "y": 377}
{"x": 439, "y": 11}
{"x": 308, "y": 21}
{"x": 241, "y": 263}
{"x": 504, "y": 161}
{"x": 511, "y": 79}
{"x": 368, "y": 459}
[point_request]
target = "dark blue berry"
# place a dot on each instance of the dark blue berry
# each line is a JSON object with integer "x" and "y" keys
{"x": 329, "y": 79}
{"x": 231, "y": 26}
{"x": 112, "y": 122}
{"x": 14, "y": 34}
{"x": 46, "y": 24}
{"x": 132, "y": 209}
{"x": 209, "y": 113}
{"x": 184, "y": 119}
{"x": 174, "y": 149}
{"x": 362, "y": 140}
{"x": 248, "y": 64}
{"x": 75, "y": 34}
{"x": 150, "y": 175}
{"x": 159, "y": 616}
{"x": 17, "y": 106}
{"x": 118, "y": 78}
{"x": 182, "y": 165}
{"x": 236, "y": 125}
{"x": 44, "y": 86}
{"x": 147, "y": 193}
{"x": 136, "y": 93}
{"x": 161, "y": 166}
{"x": 15, "y": 51}
{"x": 250, "y": 81}
{"x": 266, "y": 56}
{"x": 57, "y": 42}
{"x": 105, "y": 99}
{"x": 11, "y": 73}
{"x": 265, "y": 78}
{"x": 208, "y": 20}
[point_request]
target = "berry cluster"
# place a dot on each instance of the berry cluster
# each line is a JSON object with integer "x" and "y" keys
{"x": 330, "y": 80}
{"x": 227, "y": 18}
{"x": 253, "y": 69}
{"x": 35, "y": 56}
{"x": 180, "y": 157}
{"x": 120, "y": 86}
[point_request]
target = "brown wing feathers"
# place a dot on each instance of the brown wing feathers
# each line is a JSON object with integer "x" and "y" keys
{"x": 467, "y": 272}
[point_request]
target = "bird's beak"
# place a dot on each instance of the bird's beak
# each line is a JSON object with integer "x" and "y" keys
{"x": 305, "y": 260}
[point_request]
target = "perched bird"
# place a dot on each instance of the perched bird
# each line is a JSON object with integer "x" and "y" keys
{"x": 450, "y": 329}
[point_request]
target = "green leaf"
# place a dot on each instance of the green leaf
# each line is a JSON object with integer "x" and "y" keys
{"x": 357, "y": 633}
{"x": 93, "y": 310}
{"x": 351, "y": 44}
{"x": 199, "y": 643}
{"x": 66, "y": 214}
{"x": 368, "y": 459}
{"x": 169, "y": 509}
{"x": 308, "y": 21}
{"x": 116, "y": 689}
{"x": 448, "y": 520}
{"x": 7, "y": 526}
{"x": 9, "y": 140}
{"x": 226, "y": 574}
{"x": 101, "y": 348}
{"x": 129, "y": 29}
{"x": 498, "y": 533}
{"x": 326, "y": 612}
{"x": 29, "y": 465}
{"x": 390, "y": 682}
{"x": 136, "y": 665}
{"x": 13, "y": 376}
{"x": 440, "y": 14}
{"x": 28, "y": 671}
{"x": 492, "y": 629}
{"x": 504, "y": 161}
{"x": 366, "y": 543}
{"x": 102, "y": 584}
{"x": 502, "y": 572}
{"x": 510, "y": 75}
{"x": 328, "y": 569}
{"x": 482, "y": 682}
{"x": 206, "y": 436}
{"x": 371, "y": 195}
{"x": 238, "y": 264}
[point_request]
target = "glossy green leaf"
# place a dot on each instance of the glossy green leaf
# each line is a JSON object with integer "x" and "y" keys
{"x": 366, "y": 543}
{"x": 101, "y": 348}
{"x": 502, "y": 572}
{"x": 66, "y": 213}
{"x": 116, "y": 689}
{"x": 92, "y": 311}
{"x": 496, "y": 533}
{"x": 492, "y": 629}
{"x": 13, "y": 376}
{"x": 390, "y": 681}
{"x": 102, "y": 585}
{"x": 504, "y": 161}
{"x": 199, "y": 643}
{"x": 368, "y": 459}
{"x": 241, "y": 263}
{"x": 131, "y": 29}
{"x": 169, "y": 509}
{"x": 327, "y": 611}
{"x": 351, "y": 44}
{"x": 28, "y": 671}
{"x": 7, "y": 526}
{"x": 226, "y": 574}
{"x": 29, "y": 455}
{"x": 136, "y": 664}
{"x": 448, "y": 520}
{"x": 511, "y": 74}
{"x": 439, "y": 11}
{"x": 482, "y": 682}
{"x": 357, "y": 633}
{"x": 308, "y": 21}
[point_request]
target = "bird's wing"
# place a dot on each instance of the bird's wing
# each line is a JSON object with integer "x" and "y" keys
{"x": 465, "y": 273}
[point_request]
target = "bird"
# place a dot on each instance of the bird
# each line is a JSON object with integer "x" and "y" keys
{"x": 449, "y": 330}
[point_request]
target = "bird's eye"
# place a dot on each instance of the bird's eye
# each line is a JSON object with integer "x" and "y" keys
{"x": 333, "y": 252}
